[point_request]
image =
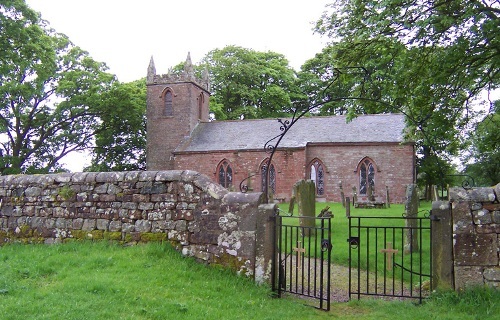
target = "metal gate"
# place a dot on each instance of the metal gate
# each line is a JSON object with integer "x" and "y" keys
{"x": 302, "y": 258}
{"x": 390, "y": 257}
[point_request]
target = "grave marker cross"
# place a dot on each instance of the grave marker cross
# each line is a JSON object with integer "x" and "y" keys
{"x": 389, "y": 251}
{"x": 299, "y": 250}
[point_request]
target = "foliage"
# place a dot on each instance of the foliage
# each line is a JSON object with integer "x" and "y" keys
{"x": 49, "y": 94}
{"x": 485, "y": 150}
{"x": 430, "y": 60}
{"x": 250, "y": 84}
{"x": 121, "y": 136}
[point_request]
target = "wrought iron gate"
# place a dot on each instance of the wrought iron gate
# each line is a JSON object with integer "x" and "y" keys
{"x": 302, "y": 258}
{"x": 390, "y": 256}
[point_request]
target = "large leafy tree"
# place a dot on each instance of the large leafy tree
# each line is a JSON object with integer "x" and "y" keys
{"x": 120, "y": 141}
{"x": 250, "y": 84}
{"x": 427, "y": 59}
{"x": 485, "y": 150}
{"x": 50, "y": 93}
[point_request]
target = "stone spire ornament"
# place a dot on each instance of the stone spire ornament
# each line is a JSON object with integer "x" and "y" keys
{"x": 151, "y": 71}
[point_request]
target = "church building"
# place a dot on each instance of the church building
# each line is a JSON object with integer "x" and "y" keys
{"x": 368, "y": 153}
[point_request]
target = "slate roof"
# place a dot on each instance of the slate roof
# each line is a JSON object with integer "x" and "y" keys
{"x": 252, "y": 134}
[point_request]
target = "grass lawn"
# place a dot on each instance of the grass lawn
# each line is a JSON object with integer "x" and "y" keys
{"x": 99, "y": 280}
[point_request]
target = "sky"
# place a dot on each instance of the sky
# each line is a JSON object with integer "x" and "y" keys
{"x": 125, "y": 34}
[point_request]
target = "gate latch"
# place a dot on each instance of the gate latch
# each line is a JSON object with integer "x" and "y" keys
{"x": 326, "y": 245}
{"x": 353, "y": 242}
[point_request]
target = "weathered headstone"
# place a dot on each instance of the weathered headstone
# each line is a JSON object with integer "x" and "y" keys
{"x": 291, "y": 206}
{"x": 388, "y": 199}
{"x": 354, "y": 196}
{"x": 348, "y": 207}
{"x": 305, "y": 197}
{"x": 342, "y": 195}
{"x": 435, "y": 195}
{"x": 369, "y": 193}
{"x": 411, "y": 212}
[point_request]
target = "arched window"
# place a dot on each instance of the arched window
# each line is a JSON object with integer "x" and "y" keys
{"x": 225, "y": 174}
{"x": 272, "y": 176}
{"x": 366, "y": 176}
{"x": 168, "y": 105}
{"x": 317, "y": 174}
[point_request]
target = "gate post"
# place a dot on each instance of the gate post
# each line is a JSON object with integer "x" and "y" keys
{"x": 442, "y": 246}
{"x": 265, "y": 243}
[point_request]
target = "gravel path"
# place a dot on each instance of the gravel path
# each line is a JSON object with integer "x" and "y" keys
{"x": 339, "y": 290}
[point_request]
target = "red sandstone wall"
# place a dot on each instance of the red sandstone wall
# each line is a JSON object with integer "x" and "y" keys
{"x": 394, "y": 162}
{"x": 289, "y": 165}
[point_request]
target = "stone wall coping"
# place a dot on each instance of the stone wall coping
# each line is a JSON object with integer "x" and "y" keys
{"x": 41, "y": 180}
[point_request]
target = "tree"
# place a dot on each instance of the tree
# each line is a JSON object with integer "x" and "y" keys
{"x": 250, "y": 84}
{"x": 121, "y": 136}
{"x": 466, "y": 29}
{"x": 485, "y": 150}
{"x": 49, "y": 94}
{"x": 420, "y": 59}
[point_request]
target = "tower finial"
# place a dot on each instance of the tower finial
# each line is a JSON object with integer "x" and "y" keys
{"x": 188, "y": 66}
{"x": 151, "y": 71}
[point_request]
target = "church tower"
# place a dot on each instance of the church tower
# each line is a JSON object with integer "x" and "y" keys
{"x": 176, "y": 103}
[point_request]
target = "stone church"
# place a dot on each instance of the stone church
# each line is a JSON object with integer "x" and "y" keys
{"x": 368, "y": 153}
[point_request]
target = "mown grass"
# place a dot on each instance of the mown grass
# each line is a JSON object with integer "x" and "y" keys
{"x": 340, "y": 234}
{"x": 89, "y": 280}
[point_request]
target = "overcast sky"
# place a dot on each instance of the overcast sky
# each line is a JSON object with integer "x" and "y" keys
{"x": 125, "y": 34}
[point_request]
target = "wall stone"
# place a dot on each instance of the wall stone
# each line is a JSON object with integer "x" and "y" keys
{"x": 476, "y": 236}
{"x": 199, "y": 218}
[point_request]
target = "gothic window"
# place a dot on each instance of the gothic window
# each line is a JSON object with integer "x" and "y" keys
{"x": 272, "y": 177}
{"x": 317, "y": 174}
{"x": 225, "y": 174}
{"x": 366, "y": 176}
{"x": 168, "y": 109}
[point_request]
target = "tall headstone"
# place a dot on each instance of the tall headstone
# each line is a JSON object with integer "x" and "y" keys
{"x": 354, "y": 196}
{"x": 435, "y": 194}
{"x": 411, "y": 212}
{"x": 388, "y": 199}
{"x": 342, "y": 195}
{"x": 305, "y": 198}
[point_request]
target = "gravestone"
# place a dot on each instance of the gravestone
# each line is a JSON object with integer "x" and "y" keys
{"x": 304, "y": 192}
{"x": 369, "y": 193}
{"x": 411, "y": 211}
{"x": 342, "y": 195}
{"x": 354, "y": 196}
{"x": 388, "y": 199}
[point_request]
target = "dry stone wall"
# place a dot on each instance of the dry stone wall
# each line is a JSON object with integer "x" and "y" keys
{"x": 476, "y": 236}
{"x": 200, "y": 218}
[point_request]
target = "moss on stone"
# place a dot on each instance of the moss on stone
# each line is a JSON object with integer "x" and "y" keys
{"x": 97, "y": 234}
{"x": 114, "y": 236}
{"x": 150, "y": 236}
{"x": 230, "y": 261}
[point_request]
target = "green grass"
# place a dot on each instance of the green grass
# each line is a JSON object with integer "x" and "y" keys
{"x": 340, "y": 234}
{"x": 89, "y": 280}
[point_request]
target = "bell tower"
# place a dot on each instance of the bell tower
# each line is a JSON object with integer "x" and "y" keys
{"x": 176, "y": 103}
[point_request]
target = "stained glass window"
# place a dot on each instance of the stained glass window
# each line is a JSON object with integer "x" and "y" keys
{"x": 272, "y": 177}
{"x": 318, "y": 176}
{"x": 225, "y": 174}
{"x": 366, "y": 177}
